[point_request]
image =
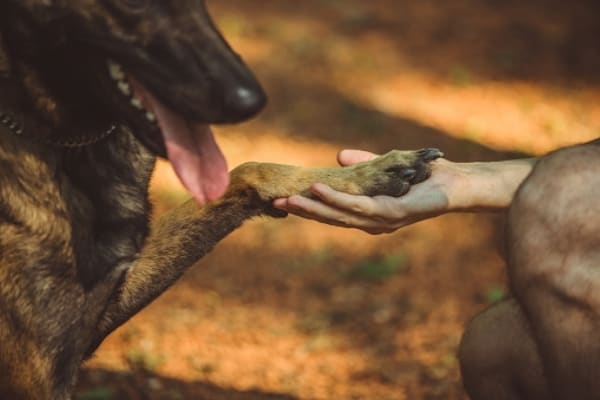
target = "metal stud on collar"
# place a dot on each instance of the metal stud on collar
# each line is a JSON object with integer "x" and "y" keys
{"x": 9, "y": 121}
{"x": 85, "y": 141}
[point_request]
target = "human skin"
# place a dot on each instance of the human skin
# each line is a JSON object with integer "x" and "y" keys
{"x": 469, "y": 187}
{"x": 541, "y": 342}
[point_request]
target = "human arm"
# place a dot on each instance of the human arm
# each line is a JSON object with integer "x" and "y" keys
{"x": 470, "y": 187}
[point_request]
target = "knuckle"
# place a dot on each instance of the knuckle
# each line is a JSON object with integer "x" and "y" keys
{"x": 364, "y": 207}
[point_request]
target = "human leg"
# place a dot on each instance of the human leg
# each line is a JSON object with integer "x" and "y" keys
{"x": 498, "y": 357}
{"x": 554, "y": 267}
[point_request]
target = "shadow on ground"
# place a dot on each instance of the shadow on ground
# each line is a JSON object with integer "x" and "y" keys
{"x": 309, "y": 110}
{"x": 541, "y": 41}
{"x": 147, "y": 386}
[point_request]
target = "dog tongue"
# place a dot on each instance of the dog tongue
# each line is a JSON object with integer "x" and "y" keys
{"x": 195, "y": 156}
{"x": 191, "y": 148}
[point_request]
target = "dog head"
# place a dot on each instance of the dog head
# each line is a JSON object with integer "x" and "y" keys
{"x": 160, "y": 67}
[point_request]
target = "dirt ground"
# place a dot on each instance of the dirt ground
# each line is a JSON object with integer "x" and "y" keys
{"x": 290, "y": 309}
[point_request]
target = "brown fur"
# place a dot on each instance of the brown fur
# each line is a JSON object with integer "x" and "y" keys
{"x": 78, "y": 256}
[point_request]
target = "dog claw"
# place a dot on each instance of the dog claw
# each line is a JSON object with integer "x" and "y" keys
{"x": 430, "y": 154}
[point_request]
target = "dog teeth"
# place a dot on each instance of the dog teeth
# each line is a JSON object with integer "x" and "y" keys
{"x": 118, "y": 75}
{"x": 150, "y": 116}
{"x": 116, "y": 71}
{"x": 124, "y": 88}
{"x": 136, "y": 103}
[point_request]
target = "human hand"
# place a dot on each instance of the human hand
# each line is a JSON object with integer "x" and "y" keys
{"x": 379, "y": 214}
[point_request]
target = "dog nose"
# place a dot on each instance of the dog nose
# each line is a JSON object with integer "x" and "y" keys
{"x": 244, "y": 102}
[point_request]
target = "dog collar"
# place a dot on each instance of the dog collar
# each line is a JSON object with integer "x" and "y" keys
{"x": 17, "y": 128}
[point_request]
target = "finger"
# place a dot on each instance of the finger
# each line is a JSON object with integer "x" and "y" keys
{"x": 350, "y": 157}
{"x": 363, "y": 205}
{"x": 305, "y": 207}
{"x": 316, "y": 210}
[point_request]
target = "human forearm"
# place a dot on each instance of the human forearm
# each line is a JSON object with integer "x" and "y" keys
{"x": 452, "y": 187}
{"x": 486, "y": 186}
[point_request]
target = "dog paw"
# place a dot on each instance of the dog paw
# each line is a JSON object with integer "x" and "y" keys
{"x": 391, "y": 174}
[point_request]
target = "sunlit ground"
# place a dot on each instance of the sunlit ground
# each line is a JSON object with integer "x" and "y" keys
{"x": 289, "y": 309}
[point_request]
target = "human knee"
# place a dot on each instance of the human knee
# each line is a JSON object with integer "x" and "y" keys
{"x": 498, "y": 357}
{"x": 484, "y": 360}
{"x": 482, "y": 349}
{"x": 560, "y": 188}
{"x": 554, "y": 213}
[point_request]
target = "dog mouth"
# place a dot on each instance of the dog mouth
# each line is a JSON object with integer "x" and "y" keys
{"x": 190, "y": 145}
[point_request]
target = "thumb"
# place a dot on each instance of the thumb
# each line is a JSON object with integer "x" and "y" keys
{"x": 349, "y": 157}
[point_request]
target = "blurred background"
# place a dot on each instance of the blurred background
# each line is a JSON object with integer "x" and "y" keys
{"x": 290, "y": 309}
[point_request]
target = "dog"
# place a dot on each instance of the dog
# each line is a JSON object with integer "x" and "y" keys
{"x": 91, "y": 92}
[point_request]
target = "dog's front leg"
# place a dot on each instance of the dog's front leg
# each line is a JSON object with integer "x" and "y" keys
{"x": 186, "y": 234}
{"x": 176, "y": 241}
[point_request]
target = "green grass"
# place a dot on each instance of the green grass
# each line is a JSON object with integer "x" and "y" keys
{"x": 380, "y": 268}
{"x": 144, "y": 360}
{"x": 460, "y": 76}
{"x": 495, "y": 294}
{"x": 99, "y": 393}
